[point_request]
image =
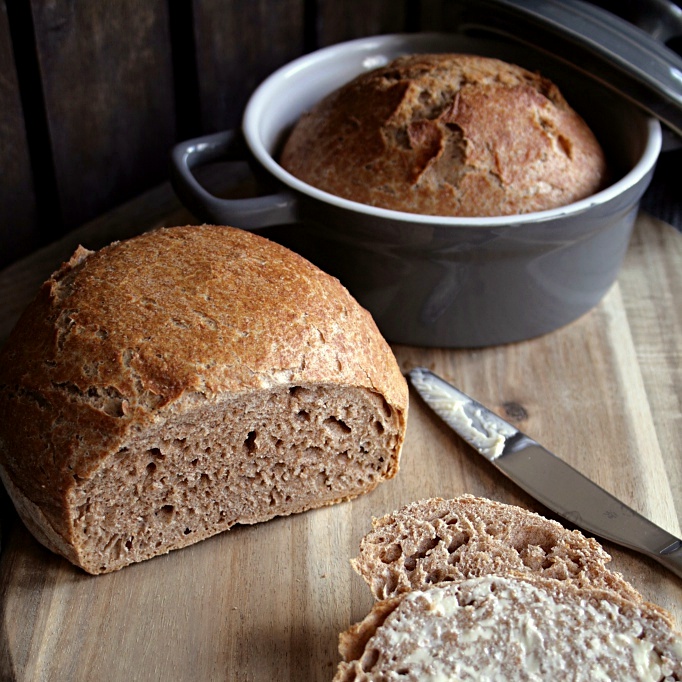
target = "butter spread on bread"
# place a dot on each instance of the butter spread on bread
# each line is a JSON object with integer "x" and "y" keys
{"x": 496, "y": 628}
{"x": 473, "y": 589}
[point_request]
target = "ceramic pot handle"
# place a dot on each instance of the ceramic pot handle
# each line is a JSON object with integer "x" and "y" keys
{"x": 279, "y": 208}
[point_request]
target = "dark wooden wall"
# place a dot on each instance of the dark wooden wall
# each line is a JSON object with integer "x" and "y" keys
{"x": 94, "y": 93}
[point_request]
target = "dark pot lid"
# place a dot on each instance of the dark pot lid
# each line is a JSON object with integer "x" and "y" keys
{"x": 604, "y": 46}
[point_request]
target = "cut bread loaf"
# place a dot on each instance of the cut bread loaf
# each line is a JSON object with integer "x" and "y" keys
{"x": 437, "y": 540}
{"x": 449, "y": 135}
{"x": 165, "y": 388}
{"x": 511, "y": 628}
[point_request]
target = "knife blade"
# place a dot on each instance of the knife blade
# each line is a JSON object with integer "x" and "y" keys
{"x": 544, "y": 476}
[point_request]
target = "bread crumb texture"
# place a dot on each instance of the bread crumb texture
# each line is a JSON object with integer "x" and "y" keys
{"x": 450, "y": 135}
{"x": 167, "y": 387}
{"x": 437, "y": 540}
{"x": 472, "y": 589}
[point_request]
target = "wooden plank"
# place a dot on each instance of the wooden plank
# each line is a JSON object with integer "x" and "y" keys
{"x": 651, "y": 296}
{"x": 268, "y": 601}
{"x": 108, "y": 88}
{"x": 338, "y": 21}
{"x": 439, "y": 15}
{"x": 238, "y": 44}
{"x": 18, "y": 216}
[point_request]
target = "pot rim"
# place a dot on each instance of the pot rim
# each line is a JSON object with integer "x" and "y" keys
{"x": 259, "y": 103}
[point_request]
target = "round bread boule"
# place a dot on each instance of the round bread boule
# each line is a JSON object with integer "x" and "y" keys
{"x": 449, "y": 135}
{"x": 164, "y": 388}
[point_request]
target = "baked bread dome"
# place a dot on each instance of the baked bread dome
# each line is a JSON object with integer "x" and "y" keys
{"x": 164, "y": 388}
{"x": 448, "y": 135}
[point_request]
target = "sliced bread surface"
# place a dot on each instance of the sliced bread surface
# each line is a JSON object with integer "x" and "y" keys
{"x": 521, "y": 628}
{"x": 436, "y": 540}
{"x": 165, "y": 388}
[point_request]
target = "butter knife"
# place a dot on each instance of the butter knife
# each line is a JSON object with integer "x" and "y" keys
{"x": 543, "y": 475}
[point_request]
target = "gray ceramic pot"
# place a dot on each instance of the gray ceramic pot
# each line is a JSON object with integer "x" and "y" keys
{"x": 433, "y": 281}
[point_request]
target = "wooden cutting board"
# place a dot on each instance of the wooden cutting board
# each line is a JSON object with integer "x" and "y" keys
{"x": 267, "y": 602}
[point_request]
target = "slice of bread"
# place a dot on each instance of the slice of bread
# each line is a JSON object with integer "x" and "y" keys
{"x": 511, "y": 628}
{"x": 165, "y": 388}
{"x": 437, "y": 540}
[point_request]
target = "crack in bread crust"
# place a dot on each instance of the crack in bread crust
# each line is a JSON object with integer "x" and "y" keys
{"x": 448, "y": 135}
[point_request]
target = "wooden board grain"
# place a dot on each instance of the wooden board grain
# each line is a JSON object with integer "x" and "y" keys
{"x": 238, "y": 44}
{"x": 107, "y": 80}
{"x": 18, "y": 211}
{"x": 339, "y": 21}
{"x": 267, "y": 602}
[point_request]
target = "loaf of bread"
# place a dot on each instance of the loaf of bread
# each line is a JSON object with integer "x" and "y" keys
{"x": 448, "y": 135}
{"x": 512, "y": 629}
{"x": 165, "y": 388}
{"x": 437, "y": 540}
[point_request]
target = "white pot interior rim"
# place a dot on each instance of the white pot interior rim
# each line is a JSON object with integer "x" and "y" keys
{"x": 266, "y": 119}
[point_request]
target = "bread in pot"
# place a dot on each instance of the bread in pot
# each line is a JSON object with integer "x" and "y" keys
{"x": 448, "y": 135}
{"x": 165, "y": 388}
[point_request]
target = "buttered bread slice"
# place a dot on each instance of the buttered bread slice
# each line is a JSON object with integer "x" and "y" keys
{"x": 511, "y": 628}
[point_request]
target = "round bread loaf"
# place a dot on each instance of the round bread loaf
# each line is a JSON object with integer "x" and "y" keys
{"x": 511, "y": 628}
{"x": 448, "y": 135}
{"x": 168, "y": 387}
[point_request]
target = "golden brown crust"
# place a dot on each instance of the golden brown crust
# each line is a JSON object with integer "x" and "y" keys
{"x": 35, "y": 521}
{"x": 451, "y": 135}
{"x": 352, "y": 642}
{"x": 119, "y": 341}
